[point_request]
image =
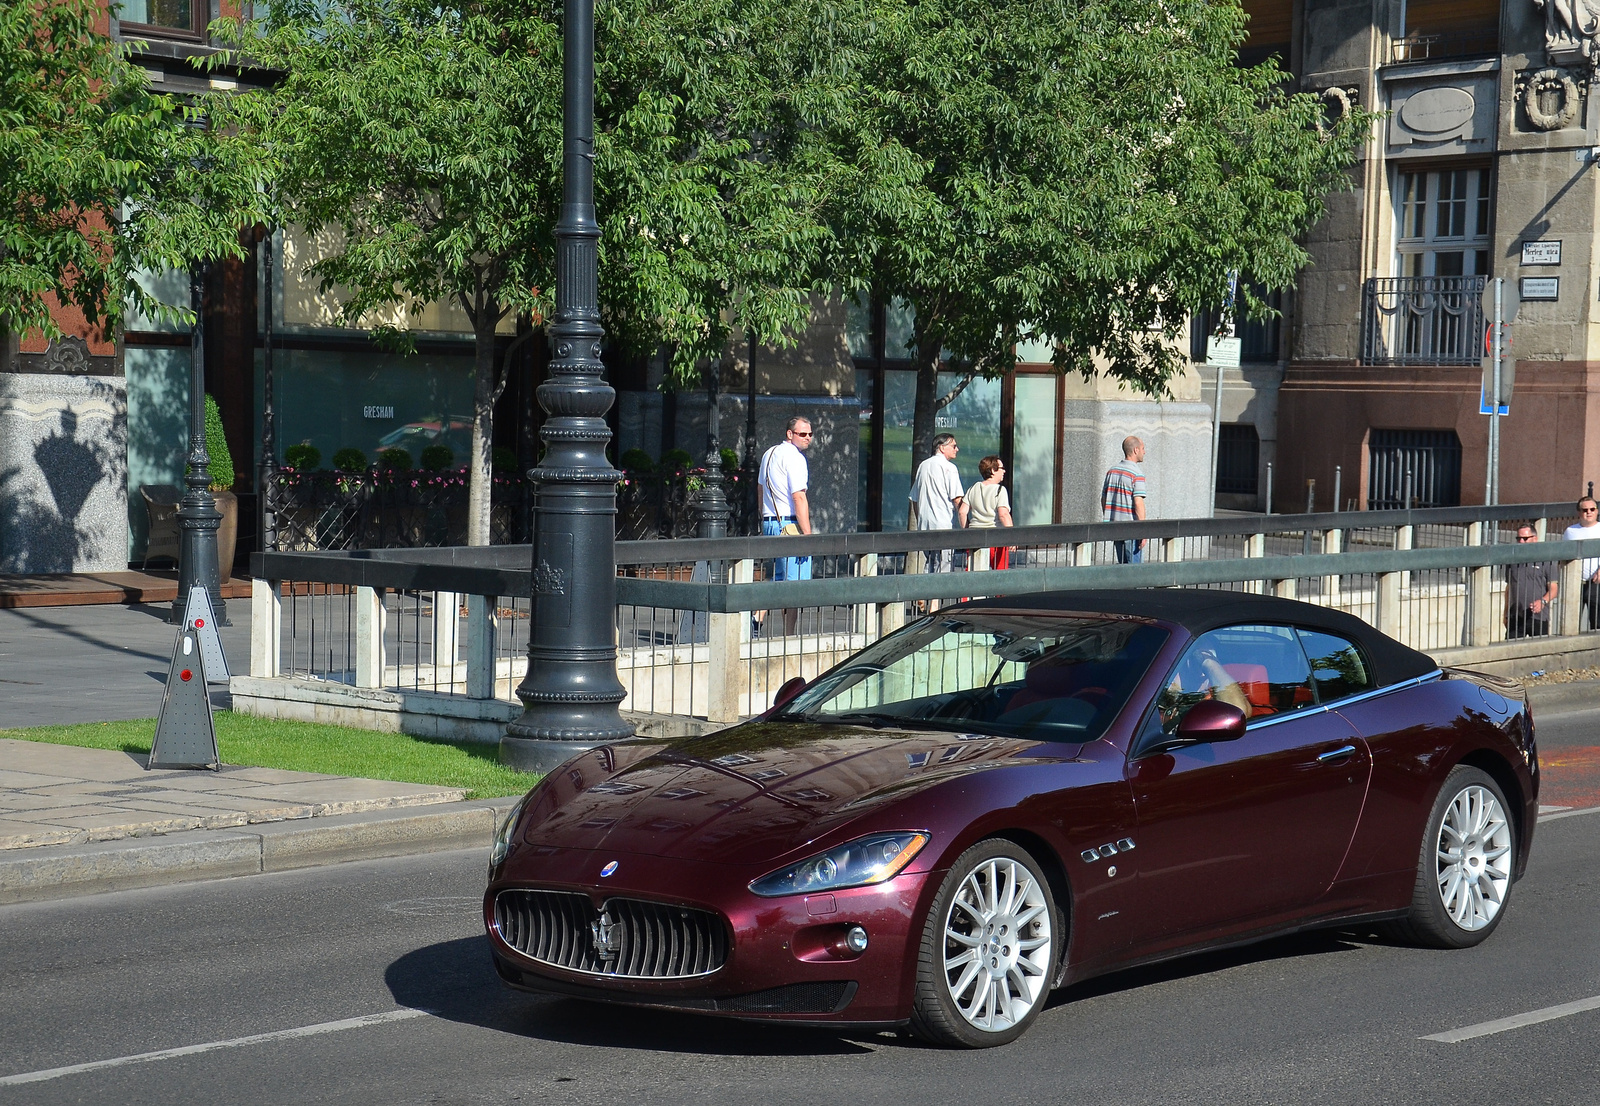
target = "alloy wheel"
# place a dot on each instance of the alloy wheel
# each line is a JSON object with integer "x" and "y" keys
{"x": 998, "y": 948}
{"x": 1474, "y": 858}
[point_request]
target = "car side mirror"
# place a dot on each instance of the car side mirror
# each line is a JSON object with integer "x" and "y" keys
{"x": 1211, "y": 720}
{"x": 794, "y": 685}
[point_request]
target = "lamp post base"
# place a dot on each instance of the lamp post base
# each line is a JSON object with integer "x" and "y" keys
{"x": 543, "y": 754}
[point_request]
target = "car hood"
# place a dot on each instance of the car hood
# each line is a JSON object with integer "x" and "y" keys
{"x": 754, "y": 793}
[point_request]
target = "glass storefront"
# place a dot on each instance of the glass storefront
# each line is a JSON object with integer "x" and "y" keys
{"x": 973, "y": 417}
{"x": 158, "y": 428}
{"x": 1033, "y": 450}
{"x": 369, "y": 400}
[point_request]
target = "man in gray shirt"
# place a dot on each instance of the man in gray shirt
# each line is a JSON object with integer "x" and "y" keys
{"x": 1529, "y": 590}
{"x": 936, "y": 493}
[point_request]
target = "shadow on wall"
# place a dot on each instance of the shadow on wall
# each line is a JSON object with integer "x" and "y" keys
{"x": 42, "y": 504}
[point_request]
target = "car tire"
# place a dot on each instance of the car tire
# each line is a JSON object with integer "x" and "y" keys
{"x": 989, "y": 949}
{"x": 1464, "y": 872}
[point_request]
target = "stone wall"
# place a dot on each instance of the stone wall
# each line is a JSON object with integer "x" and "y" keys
{"x": 63, "y": 473}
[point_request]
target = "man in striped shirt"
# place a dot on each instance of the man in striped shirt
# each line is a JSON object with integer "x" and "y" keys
{"x": 1122, "y": 497}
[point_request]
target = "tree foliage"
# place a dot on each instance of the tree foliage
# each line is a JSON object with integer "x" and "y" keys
{"x": 428, "y": 135}
{"x": 98, "y": 175}
{"x": 1086, "y": 172}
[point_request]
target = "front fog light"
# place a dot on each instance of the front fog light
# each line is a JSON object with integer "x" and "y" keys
{"x": 856, "y": 938}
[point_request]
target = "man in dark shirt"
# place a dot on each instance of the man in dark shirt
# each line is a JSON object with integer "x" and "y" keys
{"x": 1529, "y": 590}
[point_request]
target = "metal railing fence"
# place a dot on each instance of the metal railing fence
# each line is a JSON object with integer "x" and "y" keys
{"x": 708, "y": 634}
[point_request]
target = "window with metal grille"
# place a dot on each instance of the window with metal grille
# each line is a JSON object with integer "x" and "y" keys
{"x": 1238, "y": 458}
{"x": 1416, "y": 468}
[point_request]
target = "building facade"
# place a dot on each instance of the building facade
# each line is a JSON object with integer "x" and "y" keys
{"x": 1481, "y": 165}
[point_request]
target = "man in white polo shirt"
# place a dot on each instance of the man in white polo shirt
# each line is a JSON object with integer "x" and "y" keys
{"x": 784, "y": 478}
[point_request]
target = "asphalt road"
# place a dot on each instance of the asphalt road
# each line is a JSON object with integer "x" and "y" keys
{"x": 1320, "y": 1018}
{"x": 102, "y": 663}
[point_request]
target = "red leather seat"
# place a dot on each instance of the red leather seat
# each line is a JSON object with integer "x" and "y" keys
{"x": 1252, "y": 680}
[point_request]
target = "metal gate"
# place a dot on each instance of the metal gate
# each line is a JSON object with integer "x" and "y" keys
{"x": 1413, "y": 468}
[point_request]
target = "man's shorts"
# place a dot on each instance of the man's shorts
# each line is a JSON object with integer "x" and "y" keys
{"x": 785, "y": 568}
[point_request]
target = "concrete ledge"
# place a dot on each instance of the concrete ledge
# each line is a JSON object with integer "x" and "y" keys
{"x": 1524, "y": 656}
{"x": 420, "y": 713}
{"x": 65, "y": 871}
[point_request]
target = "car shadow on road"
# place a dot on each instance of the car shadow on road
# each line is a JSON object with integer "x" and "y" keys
{"x": 455, "y": 981}
{"x": 1314, "y": 943}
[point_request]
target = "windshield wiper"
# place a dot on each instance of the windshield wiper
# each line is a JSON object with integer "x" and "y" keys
{"x": 876, "y": 719}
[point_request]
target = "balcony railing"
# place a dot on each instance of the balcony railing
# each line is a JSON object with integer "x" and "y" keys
{"x": 1422, "y": 320}
{"x": 1458, "y": 44}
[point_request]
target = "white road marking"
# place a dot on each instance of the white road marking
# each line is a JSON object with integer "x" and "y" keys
{"x": 211, "y": 1046}
{"x": 1568, "y": 814}
{"x": 1516, "y": 1021}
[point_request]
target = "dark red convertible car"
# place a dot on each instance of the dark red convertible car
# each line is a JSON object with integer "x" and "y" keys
{"x": 1012, "y": 795}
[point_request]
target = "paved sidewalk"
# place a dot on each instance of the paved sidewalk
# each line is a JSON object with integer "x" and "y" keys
{"x": 60, "y": 665}
{"x": 80, "y": 821}
{"x": 65, "y": 795}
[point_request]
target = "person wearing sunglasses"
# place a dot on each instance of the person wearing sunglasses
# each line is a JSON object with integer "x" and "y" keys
{"x": 1530, "y": 589}
{"x": 785, "y": 507}
{"x": 1587, "y": 528}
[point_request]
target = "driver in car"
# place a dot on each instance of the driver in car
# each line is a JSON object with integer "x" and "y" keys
{"x": 1199, "y": 676}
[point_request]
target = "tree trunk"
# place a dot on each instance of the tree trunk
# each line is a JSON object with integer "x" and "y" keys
{"x": 484, "y": 379}
{"x": 927, "y": 402}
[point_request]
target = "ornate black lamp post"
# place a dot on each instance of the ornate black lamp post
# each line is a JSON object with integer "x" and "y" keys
{"x": 198, "y": 517}
{"x": 267, "y": 481}
{"x": 712, "y": 506}
{"x": 571, "y": 692}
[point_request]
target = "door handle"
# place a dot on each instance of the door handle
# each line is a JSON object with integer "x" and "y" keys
{"x": 1336, "y": 754}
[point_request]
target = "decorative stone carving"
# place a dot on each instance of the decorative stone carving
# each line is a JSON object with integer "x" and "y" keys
{"x": 1551, "y": 98}
{"x": 1338, "y": 101}
{"x": 67, "y": 355}
{"x": 1570, "y": 30}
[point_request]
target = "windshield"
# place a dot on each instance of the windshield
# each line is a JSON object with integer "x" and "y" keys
{"x": 1053, "y": 678}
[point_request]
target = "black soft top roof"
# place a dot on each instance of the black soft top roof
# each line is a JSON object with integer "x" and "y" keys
{"x": 1198, "y": 610}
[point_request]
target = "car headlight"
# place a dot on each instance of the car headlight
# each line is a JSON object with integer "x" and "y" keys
{"x": 865, "y": 860}
{"x": 502, "y": 836}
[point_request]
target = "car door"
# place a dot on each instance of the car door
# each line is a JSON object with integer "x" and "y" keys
{"x": 1233, "y": 834}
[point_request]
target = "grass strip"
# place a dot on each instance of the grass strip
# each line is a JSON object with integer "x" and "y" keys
{"x": 244, "y": 739}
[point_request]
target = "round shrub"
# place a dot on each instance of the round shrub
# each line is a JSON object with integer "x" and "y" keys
{"x": 676, "y": 460}
{"x": 730, "y": 461}
{"x": 303, "y": 457}
{"x": 637, "y": 460}
{"x": 350, "y": 460}
{"x": 504, "y": 460}
{"x": 437, "y": 457}
{"x": 394, "y": 458}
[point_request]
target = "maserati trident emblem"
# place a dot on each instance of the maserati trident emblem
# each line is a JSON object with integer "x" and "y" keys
{"x": 603, "y": 933}
{"x": 608, "y": 869}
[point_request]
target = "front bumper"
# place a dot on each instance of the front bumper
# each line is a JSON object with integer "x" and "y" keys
{"x": 786, "y": 959}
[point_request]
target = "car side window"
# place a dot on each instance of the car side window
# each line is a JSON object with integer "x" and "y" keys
{"x": 1337, "y": 667}
{"x": 1259, "y": 669}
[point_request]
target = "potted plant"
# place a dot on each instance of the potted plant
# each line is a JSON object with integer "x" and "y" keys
{"x": 222, "y": 488}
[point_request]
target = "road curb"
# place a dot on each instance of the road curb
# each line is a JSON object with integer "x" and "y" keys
{"x": 67, "y": 871}
{"x": 1564, "y": 698}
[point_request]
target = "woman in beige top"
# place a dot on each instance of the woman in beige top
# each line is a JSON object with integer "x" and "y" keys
{"x": 987, "y": 505}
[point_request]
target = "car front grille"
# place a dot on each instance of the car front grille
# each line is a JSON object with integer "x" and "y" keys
{"x": 626, "y": 938}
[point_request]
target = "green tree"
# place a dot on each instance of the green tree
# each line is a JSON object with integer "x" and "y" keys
{"x": 99, "y": 176}
{"x": 428, "y": 135}
{"x": 1086, "y": 173}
